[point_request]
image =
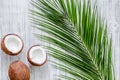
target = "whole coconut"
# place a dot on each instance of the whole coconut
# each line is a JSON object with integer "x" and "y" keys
{"x": 19, "y": 71}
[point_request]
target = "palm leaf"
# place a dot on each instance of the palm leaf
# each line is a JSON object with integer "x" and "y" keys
{"x": 79, "y": 38}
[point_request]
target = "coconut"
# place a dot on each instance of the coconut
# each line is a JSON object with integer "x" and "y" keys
{"x": 18, "y": 71}
{"x": 37, "y": 55}
{"x": 12, "y": 44}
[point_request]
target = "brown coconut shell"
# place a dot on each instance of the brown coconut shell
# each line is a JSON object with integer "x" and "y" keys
{"x": 18, "y": 71}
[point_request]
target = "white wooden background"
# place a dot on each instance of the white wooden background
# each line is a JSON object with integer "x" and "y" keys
{"x": 14, "y": 19}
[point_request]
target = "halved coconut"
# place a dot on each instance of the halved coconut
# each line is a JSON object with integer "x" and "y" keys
{"x": 37, "y": 55}
{"x": 12, "y": 44}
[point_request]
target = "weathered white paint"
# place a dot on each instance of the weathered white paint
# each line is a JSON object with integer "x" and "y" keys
{"x": 14, "y": 19}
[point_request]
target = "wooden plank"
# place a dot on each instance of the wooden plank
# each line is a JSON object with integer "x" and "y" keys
{"x": 14, "y": 19}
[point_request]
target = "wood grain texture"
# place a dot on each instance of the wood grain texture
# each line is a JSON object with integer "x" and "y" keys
{"x": 14, "y": 19}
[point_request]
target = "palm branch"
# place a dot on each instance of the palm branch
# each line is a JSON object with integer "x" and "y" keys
{"x": 78, "y": 36}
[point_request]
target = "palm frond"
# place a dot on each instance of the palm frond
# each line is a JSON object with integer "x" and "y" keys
{"x": 79, "y": 38}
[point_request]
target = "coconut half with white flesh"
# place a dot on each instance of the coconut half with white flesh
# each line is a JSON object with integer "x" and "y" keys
{"x": 37, "y": 55}
{"x": 12, "y": 44}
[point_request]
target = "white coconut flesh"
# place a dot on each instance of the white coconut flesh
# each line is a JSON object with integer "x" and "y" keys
{"x": 13, "y": 43}
{"x": 37, "y": 54}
